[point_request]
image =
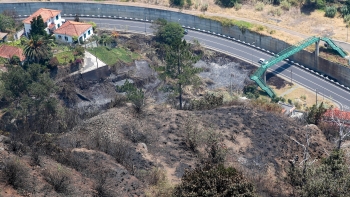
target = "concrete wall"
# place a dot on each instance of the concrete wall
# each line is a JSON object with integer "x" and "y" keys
{"x": 97, "y": 74}
{"x": 334, "y": 70}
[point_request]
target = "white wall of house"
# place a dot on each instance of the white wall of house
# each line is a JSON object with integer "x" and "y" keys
{"x": 57, "y": 20}
{"x": 65, "y": 38}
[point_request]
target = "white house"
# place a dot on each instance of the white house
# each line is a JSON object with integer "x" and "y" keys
{"x": 72, "y": 29}
{"x": 52, "y": 19}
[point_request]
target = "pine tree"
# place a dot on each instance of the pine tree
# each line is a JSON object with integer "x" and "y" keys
{"x": 179, "y": 67}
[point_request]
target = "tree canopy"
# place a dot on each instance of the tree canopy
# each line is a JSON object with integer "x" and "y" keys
{"x": 6, "y": 23}
{"x": 214, "y": 180}
{"x": 37, "y": 27}
{"x": 169, "y": 33}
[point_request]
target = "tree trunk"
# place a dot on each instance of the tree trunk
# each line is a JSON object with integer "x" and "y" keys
{"x": 180, "y": 95}
{"x": 179, "y": 72}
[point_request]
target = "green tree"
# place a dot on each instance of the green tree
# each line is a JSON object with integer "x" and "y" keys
{"x": 169, "y": 33}
{"x": 179, "y": 67}
{"x": 6, "y": 23}
{"x": 329, "y": 178}
{"x": 315, "y": 114}
{"x": 37, "y": 49}
{"x": 29, "y": 93}
{"x": 214, "y": 180}
{"x": 37, "y": 27}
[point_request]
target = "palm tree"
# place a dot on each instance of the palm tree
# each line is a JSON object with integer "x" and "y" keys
{"x": 36, "y": 49}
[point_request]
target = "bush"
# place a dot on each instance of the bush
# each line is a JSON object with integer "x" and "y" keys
{"x": 15, "y": 173}
{"x": 214, "y": 180}
{"x": 227, "y": 3}
{"x": 347, "y": 18}
{"x": 330, "y": 11}
{"x": 285, "y": 5}
{"x": 177, "y": 2}
{"x": 344, "y": 11}
{"x": 320, "y": 4}
{"x": 238, "y": 6}
{"x": 204, "y": 7}
{"x": 259, "y": 6}
{"x": 260, "y": 28}
{"x": 251, "y": 91}
{"x": 53, "y": 63}
{"x": 59, "y": 178}
{"x": 290, "y": 101}
{"x": 209, "y": 101}
{"x": 136, "y": 96}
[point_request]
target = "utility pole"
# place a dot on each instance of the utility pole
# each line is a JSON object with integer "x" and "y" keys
{"x": 145, "y": 27}
{"x": 316, "y": 97}
{"x": 291, "y": 76}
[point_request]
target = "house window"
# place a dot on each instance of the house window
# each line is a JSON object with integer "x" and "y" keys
{"x": 59, "y": 37}
{"x": 58, "y": 25}
{"x": 57, "y": 17}
{"x": 89, "y": 32}
{"x": 66, "y": 38}
{"x": 84, "y": 35}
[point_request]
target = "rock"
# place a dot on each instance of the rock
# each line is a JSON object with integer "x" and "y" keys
{"x": 142, "y": 146}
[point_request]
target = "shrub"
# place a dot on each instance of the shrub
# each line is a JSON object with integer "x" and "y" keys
{"x": 226, "y": 3}
{"x": 136, "y": 96}
{"x": 15, "y": 173}
{"x": 330, "y": 11}
{"x": 276, "y": 99}
{"x": 53, "y": 63}
{"x": 238, "y": 6}
{"x": 193, "y": 134}
{"x": 177, "y": 2}
{"x": 59, "y": 178}
{"x": 290, "y": 101}
{"x": 209, "y": 101}
{"x": 251, "y": 91}
{"x": 259, "y": 6}
{"x": 204, "y": 7}
{"x": 347, "y": 18}
{"x": 344, "y": 11}
{"x": 189, "y": 3}
{"x": 214, "y": 180}
{"x": 260, "y": 28}
{"x": 320, "y": 4}
{"x": 285, "y": 5}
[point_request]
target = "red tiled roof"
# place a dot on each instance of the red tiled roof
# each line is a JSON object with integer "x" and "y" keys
{"x": 9, "y": 51}
{"x": 46, "y": 14}
{"x": 342, "y": 115}
{"x": 72, "y": 28}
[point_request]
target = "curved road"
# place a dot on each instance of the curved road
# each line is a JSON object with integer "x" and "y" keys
{"x": 244, "y": 52}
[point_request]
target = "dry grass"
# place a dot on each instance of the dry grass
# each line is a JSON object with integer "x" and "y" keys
{"x": 302, "y": 95}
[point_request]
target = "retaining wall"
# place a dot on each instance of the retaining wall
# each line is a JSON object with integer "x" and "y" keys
{"x": 331, "y": 69}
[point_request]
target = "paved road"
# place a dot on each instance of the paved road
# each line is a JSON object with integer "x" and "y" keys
{"x": 300, "y": 76}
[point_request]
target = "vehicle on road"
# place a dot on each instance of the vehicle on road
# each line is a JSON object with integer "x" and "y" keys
{"x": 261, "y": 60}
{"x": 185, "y": 31}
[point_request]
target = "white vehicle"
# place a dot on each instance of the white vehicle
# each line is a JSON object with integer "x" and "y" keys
{"x": 261, "y": 60}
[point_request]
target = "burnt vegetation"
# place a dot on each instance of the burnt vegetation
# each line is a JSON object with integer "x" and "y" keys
{"x": 72, "y": 136}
